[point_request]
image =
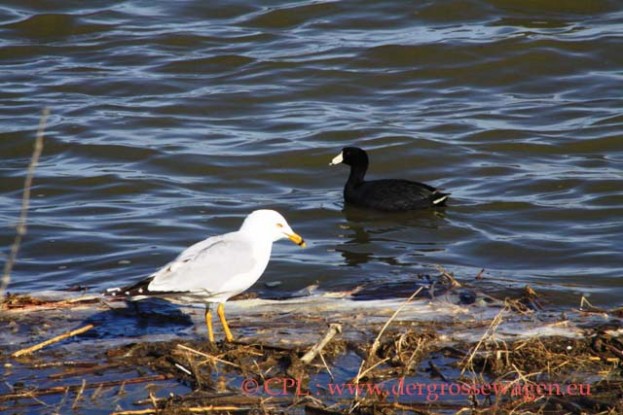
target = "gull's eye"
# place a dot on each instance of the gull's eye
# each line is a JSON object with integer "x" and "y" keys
{"x": 280, "y": 225}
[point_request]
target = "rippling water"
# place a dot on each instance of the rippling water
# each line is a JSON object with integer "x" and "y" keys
{"x": 172, "y": 120}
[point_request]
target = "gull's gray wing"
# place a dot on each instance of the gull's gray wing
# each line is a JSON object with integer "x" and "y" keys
{"x": 206, "y": 266}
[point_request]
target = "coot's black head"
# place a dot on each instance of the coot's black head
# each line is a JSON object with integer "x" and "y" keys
{"x": 352, "y": 156}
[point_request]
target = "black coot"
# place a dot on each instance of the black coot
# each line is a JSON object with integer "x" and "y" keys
{"x": 389, "y": 194}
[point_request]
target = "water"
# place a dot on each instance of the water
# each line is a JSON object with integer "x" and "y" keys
{"x": 171, "y": 122}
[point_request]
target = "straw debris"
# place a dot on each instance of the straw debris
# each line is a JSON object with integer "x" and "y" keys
{"x": 358, "y": 366}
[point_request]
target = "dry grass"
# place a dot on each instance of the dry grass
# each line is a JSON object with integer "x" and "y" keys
{"x": 389, "y": 353}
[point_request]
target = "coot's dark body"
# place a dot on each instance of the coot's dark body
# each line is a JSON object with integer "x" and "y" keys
{"x": 391, "y": 195}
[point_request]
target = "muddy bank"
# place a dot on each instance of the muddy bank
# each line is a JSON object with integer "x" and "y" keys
{"x": 449, "y": 350}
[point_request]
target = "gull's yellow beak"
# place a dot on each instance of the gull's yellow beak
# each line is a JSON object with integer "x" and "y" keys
{"x": 296, "y": 239}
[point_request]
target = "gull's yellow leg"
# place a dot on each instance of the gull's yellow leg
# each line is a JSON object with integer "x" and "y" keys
{"x": 221, "y": 314}
{"x": 208, "y": 317}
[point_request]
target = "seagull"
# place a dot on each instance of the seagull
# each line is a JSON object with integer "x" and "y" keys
{"x": 217, "y": 268}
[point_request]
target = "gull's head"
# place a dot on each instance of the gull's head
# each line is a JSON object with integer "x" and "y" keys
{"x": 271, "y": 224}
{"x": 350, "y": 156}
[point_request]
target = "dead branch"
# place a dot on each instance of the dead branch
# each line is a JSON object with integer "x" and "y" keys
{"x": 53, "y": 340}
{"x": 334, "y": 329}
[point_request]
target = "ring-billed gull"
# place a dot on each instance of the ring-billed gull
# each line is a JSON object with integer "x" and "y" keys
{"x": 388, "y": 194}
{"x": 217, "y": 268}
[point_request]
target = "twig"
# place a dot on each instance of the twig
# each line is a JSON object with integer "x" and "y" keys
{"x": 523, "y": 377}
{"x": 21, "y": 224}
{"x": 377, "y": 341}
{"x": 183, "y": 369}
{"x": 213, "y": 358}
{"x": 121, "y": 391}
{"x": 435, "y": 371}
{"x": 83, "y": 370}
{"x": 198, "y": 409}
{"x": 152, "y": 397}
{"x": 587, "y": 307}
{"x": 420, "y": 344}
{"x": 221, "y": 399}
{"x": 53, "y": 340}
{"x": 79, "y": 394}
{"x": 453, "y": 282}
{"x": 365, "y": 372}
{"x": 62, "y": 389}
{"x": 497, "y": 320}
{"x": 21, "y": 304}
{"x": 68, "y": 363}
{"x": 334, "y": 329}
{"x": 259, "y": 370}
{"x": 480, "y": 276}
{"x": 324, "y": 362}
{"x": 136, "y": 412}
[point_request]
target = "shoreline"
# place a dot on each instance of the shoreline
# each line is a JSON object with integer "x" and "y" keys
{"x": 386, "y": 357}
